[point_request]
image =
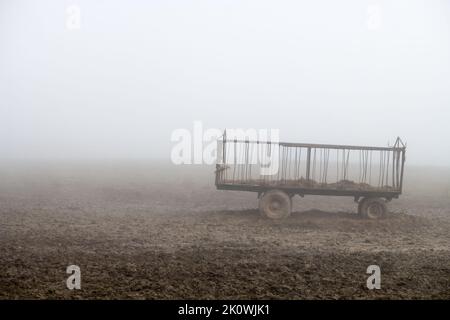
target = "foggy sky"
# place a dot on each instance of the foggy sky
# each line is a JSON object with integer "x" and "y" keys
{"x": 137, "y": 70}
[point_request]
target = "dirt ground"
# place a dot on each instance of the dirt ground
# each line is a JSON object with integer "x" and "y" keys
{"x": 154, "y": 231}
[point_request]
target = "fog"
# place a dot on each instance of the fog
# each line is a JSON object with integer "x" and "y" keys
{"x": 117, "y": 84}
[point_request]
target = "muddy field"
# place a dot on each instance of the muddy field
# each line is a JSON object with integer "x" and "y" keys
{"x": 154, "y": 231}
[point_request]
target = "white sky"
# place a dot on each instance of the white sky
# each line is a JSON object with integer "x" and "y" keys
{"x": 137, "y": 70}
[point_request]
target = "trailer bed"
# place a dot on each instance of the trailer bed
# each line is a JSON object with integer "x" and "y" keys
{"x": 311, "y": 169}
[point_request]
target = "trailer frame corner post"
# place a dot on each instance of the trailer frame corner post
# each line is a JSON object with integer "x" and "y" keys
{"x": 403, "y": 167}
{"x": 221, "y": 161}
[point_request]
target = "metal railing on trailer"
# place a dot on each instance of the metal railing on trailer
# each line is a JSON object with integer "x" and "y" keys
{"x": 315, "y": 169}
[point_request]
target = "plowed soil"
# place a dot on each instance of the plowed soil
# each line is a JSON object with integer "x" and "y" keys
{"x": 140, "y": 231}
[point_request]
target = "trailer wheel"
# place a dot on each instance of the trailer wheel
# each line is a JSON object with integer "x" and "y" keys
{"x": 275, "y": 204}
{"x": 372, "y": 208}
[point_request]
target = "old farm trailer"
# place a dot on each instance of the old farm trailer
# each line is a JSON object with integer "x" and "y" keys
{"x": 277, "y": 171}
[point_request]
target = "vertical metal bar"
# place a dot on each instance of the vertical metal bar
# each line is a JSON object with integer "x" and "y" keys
{"x": 337, "y": 165}
{"x": 289, "y": 163}
{"x": 285, "y": 152}
{"x": 250, "y": 161}
{"x": 320, "y": 164}
{"x": 308, "y": 163}
{"x": 313, "y": 175}
{"x": 360, "y": 165}
{"x": 235, "y": 158}
{"x": 280, "y": 172}
{"x": 393, "y": 168}
{"x": 403, "y": 166}
{"x": 295, "y": 164}
{"x": 224, "y": 152}
{"x": 398, "y": 169}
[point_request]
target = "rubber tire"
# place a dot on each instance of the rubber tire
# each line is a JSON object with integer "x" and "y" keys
{"x": 372, "y": 208}
{"x": 275, "y": 204}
